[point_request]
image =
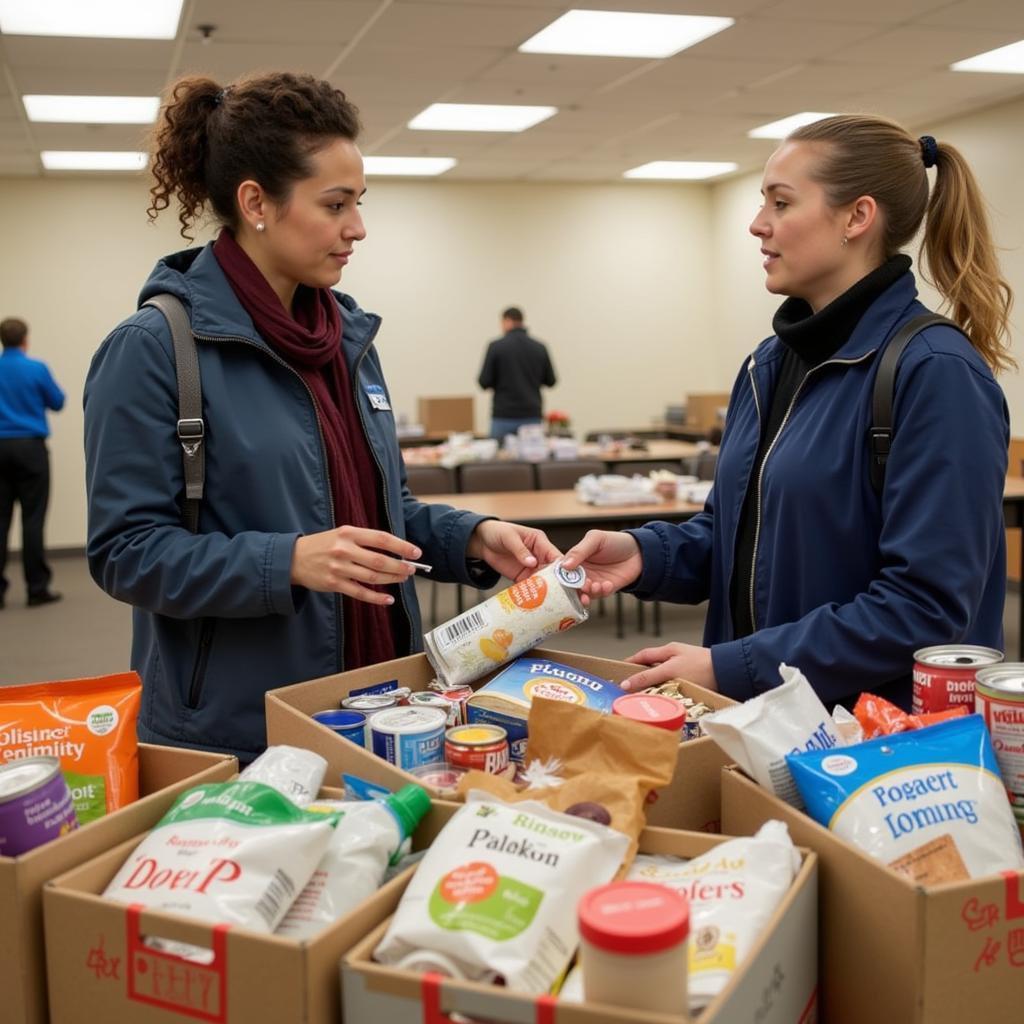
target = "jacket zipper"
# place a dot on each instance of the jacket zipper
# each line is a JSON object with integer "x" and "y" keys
{"x": 195, "y": 688}
{"x": 771, "y": 446}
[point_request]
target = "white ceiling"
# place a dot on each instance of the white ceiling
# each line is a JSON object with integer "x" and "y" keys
{"x": 394, "y": 57}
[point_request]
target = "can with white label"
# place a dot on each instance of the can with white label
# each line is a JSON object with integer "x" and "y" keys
{"x": 944, "y": 676}
{"x": 504, "y": 626}
{"x": 409, "y": 737}
{"x": 999, "y": 697}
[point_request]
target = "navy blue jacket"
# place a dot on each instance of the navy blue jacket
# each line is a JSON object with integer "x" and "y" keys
{"x": 217, "y": 621}
{"x": 847, "y": 584}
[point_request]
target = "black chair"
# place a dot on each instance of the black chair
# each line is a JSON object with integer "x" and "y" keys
{"x": 496, "y": 476}
{"x": 430, "y": 480}
{"x": 562, "y": 475}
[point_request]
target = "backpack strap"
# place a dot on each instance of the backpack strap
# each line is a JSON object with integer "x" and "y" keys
{"x": 880, "y": 431}
{"x": 190, "y": 428}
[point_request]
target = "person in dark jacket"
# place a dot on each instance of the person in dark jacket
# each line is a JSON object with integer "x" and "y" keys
{"x": 802, "y": 560}
{"x": 299, "y": 565}
{"x": 516, "y": 366}
{"x": 27, "y": 390}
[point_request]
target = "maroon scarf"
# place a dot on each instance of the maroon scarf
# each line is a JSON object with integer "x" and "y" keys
{"x": 310, "y": 341}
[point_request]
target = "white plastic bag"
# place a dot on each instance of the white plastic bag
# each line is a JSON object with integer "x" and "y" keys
{"x": 297, "y": 773}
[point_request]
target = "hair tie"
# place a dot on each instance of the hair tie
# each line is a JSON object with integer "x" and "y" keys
{"x": 929, "y": 150}
{"x": 219, "y": 98}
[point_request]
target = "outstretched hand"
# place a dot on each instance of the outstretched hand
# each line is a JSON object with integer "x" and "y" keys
{"x": 611, "y": 561}
{"x": 672, "y": 661}
{"x": 512, "y": 550}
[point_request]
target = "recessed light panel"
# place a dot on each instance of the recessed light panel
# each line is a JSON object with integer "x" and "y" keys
{"x": 104, "y": 19}
{"x": 780, "y": 129}
{"x": 681, "y": 170}
{"x": 479, "y": 117}
{"x": 419, "y": 166}
{"x": 1007, "y": 60}
{"x": 92, "y": 160}
{"x": 92, "y": 109}
{"x": 620, "y": 34}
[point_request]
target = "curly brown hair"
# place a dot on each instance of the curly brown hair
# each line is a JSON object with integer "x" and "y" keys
{"x": 209, "y": 139}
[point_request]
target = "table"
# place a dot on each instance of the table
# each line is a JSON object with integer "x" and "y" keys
{"x": 545, "y": 509}
{"x": 653, "y": 451}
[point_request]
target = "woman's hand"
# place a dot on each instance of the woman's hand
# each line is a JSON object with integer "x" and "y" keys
{"x": 512, "y": 550}
{"x": 351, "y": 559}
{"x": 611, "y": 561}
{"x": 672, "y": 661}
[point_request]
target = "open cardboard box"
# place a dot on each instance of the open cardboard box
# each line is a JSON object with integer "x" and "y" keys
{"x": 776, "y": 984}
{"x": 101, "y": 972}
{"x": 690, "y": 801}
{"x": 163, "y": 773}
{"x": 891, "y": 951}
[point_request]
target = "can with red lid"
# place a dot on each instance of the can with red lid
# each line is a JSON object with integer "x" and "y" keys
{"x": 484, "y": 747}
{"x": 944, "y": 676}
{"x": 651, "y": 709}
{"x": 457, "y": 695}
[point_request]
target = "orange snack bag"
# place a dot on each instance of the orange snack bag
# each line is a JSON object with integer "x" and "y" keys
{"x": 879, "y": 717}
{"x": 89, "y": 725}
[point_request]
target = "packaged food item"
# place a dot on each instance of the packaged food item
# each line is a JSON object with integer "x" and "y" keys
{"x": 633, "y": 946}
{"x": 506, "y": 699}
{"x": 429, "y": 699}
{"x": 504, "y": 626}
{"x": 89, "y": 725}
{"x": 1000, "y": 701}
{"x": 484, "y": 747}
{"x": 295, "y": 772}
{"x": 439, "y": 775}
{"x": 879, "y": 717}
{"x": 496, "y": 893}
{"x": 929, "y": 803}
{"x": 944, "y": 676}
{"x": 368, "y": 835}
{"x": 35, "y": 804}
{"x": 759, "y": 733}
{"x": 409, "y": 736}
{"x": 733, "y": 890}
{"x": 349, "y": 725}
{"x": 651, "y": 709}
{"x": 232, "y": 853}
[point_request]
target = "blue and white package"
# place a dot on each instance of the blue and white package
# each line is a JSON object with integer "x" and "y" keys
{"x": 929, "y": 803}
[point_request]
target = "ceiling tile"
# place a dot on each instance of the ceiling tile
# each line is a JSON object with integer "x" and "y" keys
{"x": 297, "y": 21}
{"x": 875, "y": 12}
{"x": 227, "y": 61}
{"x": 102, "y": 55}
{"x": 994, "y": 14}
{"x": 420, "y": 26}
{"x": 924, "y": 46}
{"x": 765, "y": 37}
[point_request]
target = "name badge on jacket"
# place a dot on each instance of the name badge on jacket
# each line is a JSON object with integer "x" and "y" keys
{"x": 378, "y": 399}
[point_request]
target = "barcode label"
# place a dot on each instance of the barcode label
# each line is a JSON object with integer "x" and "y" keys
{"x": 279, "y": 895}
{"x": 454, "y": 632}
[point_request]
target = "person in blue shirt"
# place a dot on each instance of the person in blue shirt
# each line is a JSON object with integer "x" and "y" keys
{"x": 27, "y": 390}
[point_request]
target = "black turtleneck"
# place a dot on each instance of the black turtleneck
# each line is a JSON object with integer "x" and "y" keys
{"x": 808, "y": 339}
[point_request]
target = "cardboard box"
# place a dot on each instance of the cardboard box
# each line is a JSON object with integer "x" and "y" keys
{"x": 100, "y": 972}
{"x": 441, "y": 415}
{"x": 163, "y": 773}
{"x": 893, "y": 952}
{"x": 690, "y": 801}
{"x": 777, "y": 984}
{"x": 704, "y": 409}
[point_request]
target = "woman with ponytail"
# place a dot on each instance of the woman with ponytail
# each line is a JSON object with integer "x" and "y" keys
{"x": 803, "y": 559}
{"x": 299, "y": 566}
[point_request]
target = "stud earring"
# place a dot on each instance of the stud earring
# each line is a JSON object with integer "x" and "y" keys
{"x": 845, "y": 241}
{"x": 263, "y": 227}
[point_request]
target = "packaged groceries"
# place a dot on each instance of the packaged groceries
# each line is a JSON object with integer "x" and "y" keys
{"x": 368, "y": 835}
{"x": 759, "y": 733}
{"x": 496, "y": 893}
{"x": 1000, "y": 701}
{"x": 232, "y": 853}
{"x": 929, "y": 803}
{"x": 35, "y": 804}
{"x": 296, "y": 773}
{"x": 89, "y": 725}
{"x": 879, "y": 717}
{"x": 504, "y": 626}
{"x": 733, "y": 891}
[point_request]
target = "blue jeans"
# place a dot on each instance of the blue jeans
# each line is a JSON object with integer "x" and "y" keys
{"x": 500, "y": 426}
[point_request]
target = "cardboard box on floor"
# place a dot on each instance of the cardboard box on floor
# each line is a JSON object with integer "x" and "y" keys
{"x": 691, "y": 801}
{"x": 892, "y": 952}
{"x": 163, "y": 773}
{"x": 777, "y": 984}
{"x": 101, "y": 972}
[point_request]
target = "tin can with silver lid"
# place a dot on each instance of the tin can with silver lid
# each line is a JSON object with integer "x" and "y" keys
{"x": 35, "y": 804}
{"x": 999, "y": 699}
{"x": 944, "y": 676}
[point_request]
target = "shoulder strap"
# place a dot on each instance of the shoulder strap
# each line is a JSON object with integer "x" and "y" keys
{"x": 190, "y": 428}
{"x": 880, "y": 432}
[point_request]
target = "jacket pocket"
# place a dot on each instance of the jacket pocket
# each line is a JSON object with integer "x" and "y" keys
{"x": 195, "y": 686}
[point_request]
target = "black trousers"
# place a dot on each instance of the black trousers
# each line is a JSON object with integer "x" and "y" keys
{"x": 25, "y": 478}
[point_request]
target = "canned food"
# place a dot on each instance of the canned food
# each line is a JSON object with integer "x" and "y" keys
{"x": 369, "y": 705}
{"x": 944, "y": 676}
{"x": 1000, "y": 701}
{"x": 484, "y": 747}
{"x": 350, "y": 725}
{"x": 504, "y": 626}
{"x": 35, "y": 804}
{"x": 435, "y": 700}
{"x": 651, "y": 709}
{"x": 457, "y": 697}
{"x": 409, "y": 736}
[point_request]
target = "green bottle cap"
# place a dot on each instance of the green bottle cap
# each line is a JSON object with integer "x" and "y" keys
{"x": 409, "y": 805}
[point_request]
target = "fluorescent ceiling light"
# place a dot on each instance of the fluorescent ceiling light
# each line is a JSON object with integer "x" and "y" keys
{"x": 1007, "y": 60}
{"x": 780, "y": 129}
{"x": 92, "y": 160}
{"x": 92, "y": 109}
{"x": 479, "y": 117}
{"x": 408, "y": 165}
{"x": 619, "y": 34}
{"x": 105, "y": 19}
{"x": 681, "y": 170}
